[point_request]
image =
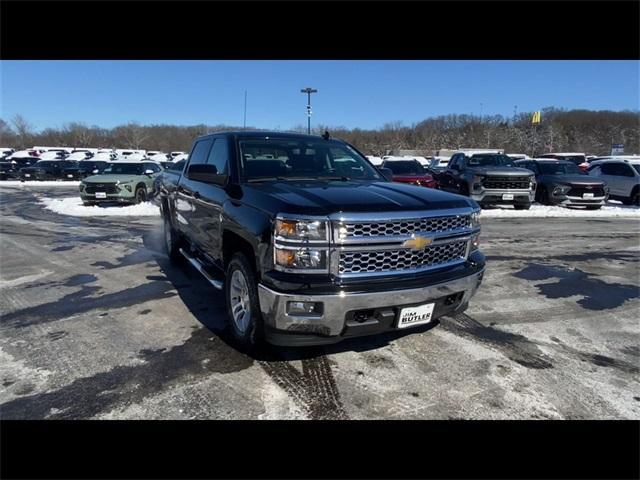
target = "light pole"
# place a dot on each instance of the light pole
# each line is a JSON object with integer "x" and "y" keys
{"x": 308, "y": 91}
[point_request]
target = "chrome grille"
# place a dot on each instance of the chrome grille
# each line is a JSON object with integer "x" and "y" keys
{"x": 405, "y": 227}
{"x": 401, "y": 259}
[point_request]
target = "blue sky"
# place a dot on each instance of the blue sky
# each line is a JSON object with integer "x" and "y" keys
{"x": 365, "y": 94}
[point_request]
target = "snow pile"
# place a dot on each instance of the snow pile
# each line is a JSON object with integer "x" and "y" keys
{"x": 73, "y": 206}
{"x": 553, "y": 211}
{"x": 44, "y": 183}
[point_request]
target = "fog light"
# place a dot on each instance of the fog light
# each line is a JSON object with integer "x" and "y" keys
{"x": 305, "y": 308}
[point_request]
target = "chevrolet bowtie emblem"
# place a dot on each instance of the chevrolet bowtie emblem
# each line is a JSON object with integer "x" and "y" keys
{"x": 417, "y": 242}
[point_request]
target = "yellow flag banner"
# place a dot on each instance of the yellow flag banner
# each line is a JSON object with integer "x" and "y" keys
{"x": 536, "y": 117}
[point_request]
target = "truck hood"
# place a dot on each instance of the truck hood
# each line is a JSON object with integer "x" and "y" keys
{"x": 502, "y": 171}
{"x": 574, "y": 179}
{"x": 326, "y": 197}
{"x": 112, "y": 178}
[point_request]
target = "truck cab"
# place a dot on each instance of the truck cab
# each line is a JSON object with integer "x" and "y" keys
{"x": 311, "y": 243}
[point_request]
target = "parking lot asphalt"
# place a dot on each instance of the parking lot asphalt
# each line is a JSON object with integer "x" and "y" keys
{"x": 97, "y": 324}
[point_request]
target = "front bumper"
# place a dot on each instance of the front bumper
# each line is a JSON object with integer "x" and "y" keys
{"x": 111, "y": 197}
{"x": 495, "y": 196}
{"x": 568, "y": 201}
{"x": 337, "y": 318}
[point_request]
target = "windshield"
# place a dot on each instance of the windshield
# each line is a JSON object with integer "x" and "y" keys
{"x": 551, "y": 168}
{"x": 404, "y": 167}
{"x": 636, "y": 166}
{"x": 490, "y": 160}
{"x": 285, "y": 158}
{"x": 125, "y": 169}
{"x": 94, "y": 165}
{"x": 45, "y": 163}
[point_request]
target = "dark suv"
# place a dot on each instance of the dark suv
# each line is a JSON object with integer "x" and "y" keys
{"x": 46, "y": 170}
{"x": 490, "y": 179}
{"x": 563, "y": 183}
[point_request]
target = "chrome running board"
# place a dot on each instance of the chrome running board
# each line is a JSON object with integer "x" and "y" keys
{"x": 200, "y": 267}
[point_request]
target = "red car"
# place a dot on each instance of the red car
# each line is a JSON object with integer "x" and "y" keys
{"x": 410, "y": 171}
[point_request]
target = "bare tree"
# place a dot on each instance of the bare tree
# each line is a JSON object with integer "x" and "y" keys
{"x": 7, "y": 135}
{"x": 23, "y": 129}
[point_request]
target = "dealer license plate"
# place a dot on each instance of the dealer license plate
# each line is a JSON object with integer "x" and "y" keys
{"x": 101, "y": 195}
{"x": 507, "y": 196}
{"x": 587, "y": 195}
{"x": 69, "y": 176}
{"x": 27, "y": 175}
{"x": 412, "y": 316}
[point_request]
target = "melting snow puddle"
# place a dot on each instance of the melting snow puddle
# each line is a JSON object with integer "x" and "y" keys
{"x": 73, "y": 206}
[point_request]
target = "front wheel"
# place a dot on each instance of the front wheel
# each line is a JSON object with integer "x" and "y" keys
{"x": 522, "y": 206}
{"x": 243, "y": 305}
{"x": 141, "y": 195}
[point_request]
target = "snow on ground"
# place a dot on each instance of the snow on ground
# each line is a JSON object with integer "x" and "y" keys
{"x": 73, "y": 206}
{"x": 36, "y": 183}
{"x": 609, "y": 210}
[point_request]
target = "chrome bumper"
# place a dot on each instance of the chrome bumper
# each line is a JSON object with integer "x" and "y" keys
{"x": 332, "y": 320}
{"x": 480, "y": 195}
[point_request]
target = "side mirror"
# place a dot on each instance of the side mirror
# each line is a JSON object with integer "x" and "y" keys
{"x": 149, "y": 172}
{"x": 207, "y": 174}
{"x": 95, "y": 171}
{"x": 386, "y": 173}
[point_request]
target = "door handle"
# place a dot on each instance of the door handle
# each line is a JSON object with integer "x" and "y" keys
{"x": 196, "y": 194}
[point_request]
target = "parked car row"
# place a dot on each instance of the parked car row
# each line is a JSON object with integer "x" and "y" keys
{"x": 500, "y": 179}
{"x": 48, "y": 163}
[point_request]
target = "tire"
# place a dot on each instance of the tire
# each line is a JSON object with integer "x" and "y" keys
{"x": 593, "y": 207}
{"x": 635, "y": 198}
{"x": 522, "y": 206}
{"x": 241, "y": 291}
{"x": 141, "y": 195}
{"x": 543, "y": 197}
{"x": 171, "y": 241}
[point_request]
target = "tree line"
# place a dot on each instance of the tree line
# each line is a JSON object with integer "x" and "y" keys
{"x": 592, "y": 132}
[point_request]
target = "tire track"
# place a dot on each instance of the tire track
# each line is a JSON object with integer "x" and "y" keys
{"x": 314, "y": 389}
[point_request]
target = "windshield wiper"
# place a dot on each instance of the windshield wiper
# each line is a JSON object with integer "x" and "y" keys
{"x": 340, "y": 178}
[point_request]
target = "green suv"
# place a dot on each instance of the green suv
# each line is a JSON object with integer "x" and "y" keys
{"x": 124, "y": 182}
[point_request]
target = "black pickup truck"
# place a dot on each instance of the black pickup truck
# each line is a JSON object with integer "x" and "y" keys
{"x": 311, "y": 243}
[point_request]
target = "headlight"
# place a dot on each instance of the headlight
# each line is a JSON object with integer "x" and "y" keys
{"x": 561, "y": 189}
{"x": 475, "y": 219}
{"x": 478, "y": 178}
{"x": 309, "y": 230}
{"x": 82, "y": 185}
{"x": 301, "y": 258}
{"x": 475, "y": 242}
{"x": 301, "y": 245}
